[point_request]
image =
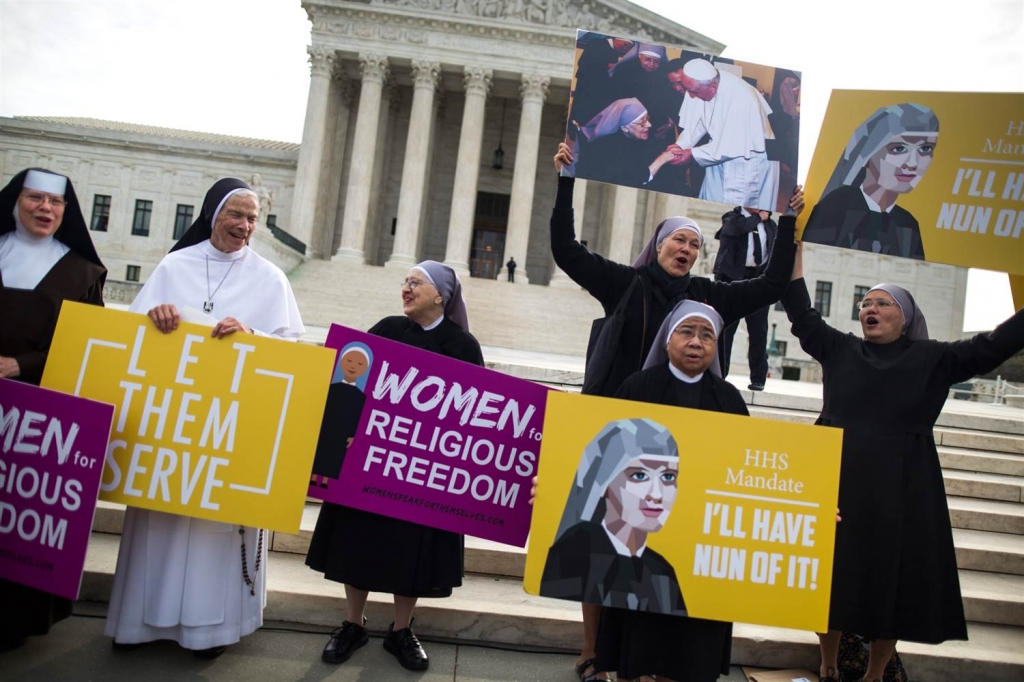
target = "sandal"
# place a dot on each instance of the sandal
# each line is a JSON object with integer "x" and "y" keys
{"x": 593, "y": 675}
{"x": 830, "y": 675}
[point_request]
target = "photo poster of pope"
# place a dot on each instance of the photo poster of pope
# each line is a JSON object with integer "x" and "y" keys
{"x": 886, "y": 157}
{"x": 666, "y": 119}
{"x": 345, "y": 400}
{"x": 624, "y": 489}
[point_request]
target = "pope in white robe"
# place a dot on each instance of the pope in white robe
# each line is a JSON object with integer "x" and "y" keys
{"x": 181, "y": 578}
{"x": 735, "y": 118}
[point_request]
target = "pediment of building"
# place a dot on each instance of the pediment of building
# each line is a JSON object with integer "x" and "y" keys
{"x": 520, "y": 18}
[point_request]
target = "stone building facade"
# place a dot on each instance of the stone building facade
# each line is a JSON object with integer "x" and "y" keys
{"x": 409, "y": 101}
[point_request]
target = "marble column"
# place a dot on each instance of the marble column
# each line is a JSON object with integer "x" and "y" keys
{"x": 374, "y": 70}
{"x": 467, "y": 169}
{"x": 342, "y": 96}
{"x": 620, "y": 246}
{"x": 390, "y": 106}
{"x": 579, "y": 201}
{"x": 517, "y": 239}
{"x": 425, "y": 77}
{"x": 311, "y": 152}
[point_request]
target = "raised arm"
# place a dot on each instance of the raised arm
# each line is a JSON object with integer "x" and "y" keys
{"x": 962, "y": 360}
{"x": 817, "y": 338}
{"x": 605, "y": 280}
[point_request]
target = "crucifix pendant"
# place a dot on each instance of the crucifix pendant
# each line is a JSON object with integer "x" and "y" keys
{"x": 208, "y": 306}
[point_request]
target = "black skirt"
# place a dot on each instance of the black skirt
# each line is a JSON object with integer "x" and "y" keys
{"x": 377, "y": 553}
{"x": 26, "y": 612}
{"x": 636, "y": 643}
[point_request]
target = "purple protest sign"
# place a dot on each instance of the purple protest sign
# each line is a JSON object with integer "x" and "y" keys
{"x": 418, "y": 436}
{"x": 52, "y": 448}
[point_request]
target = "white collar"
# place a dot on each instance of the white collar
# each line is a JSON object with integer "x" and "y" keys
{"x": 433, "y": 324}
{"x": 213, "y": 253}
{"x": 872, "y": 204}
{"x": 682, "y": 376}
{"x": 620, "y": 546}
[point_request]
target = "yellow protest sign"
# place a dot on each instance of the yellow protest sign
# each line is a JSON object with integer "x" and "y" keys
{"x": 731, "y": 518}
{"x": 936, "y": 176}
{"x": 220, "y": 429}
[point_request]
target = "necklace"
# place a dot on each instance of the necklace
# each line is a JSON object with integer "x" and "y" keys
{"x": 208, "y": 303}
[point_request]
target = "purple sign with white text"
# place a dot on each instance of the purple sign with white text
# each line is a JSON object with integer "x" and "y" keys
{"x": 52, "y": 448}
{"x": 421, "y": 437}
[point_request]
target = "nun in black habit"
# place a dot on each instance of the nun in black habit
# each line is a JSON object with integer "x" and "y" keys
{"x": 372, "y": 553}
{"x": 895, "y": 574}
{"x": 643, "y": 293}
{"x": 616, "y": 146}
{"x": 681, "y": 370}
{"x": 46, "y": 258}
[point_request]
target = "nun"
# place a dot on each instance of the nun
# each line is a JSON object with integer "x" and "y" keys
{"x": 895, "y": 574}
{"x": 681, "y": 370}
{"x": 886, "y": 157}
{"x": 617, "y": 146}
{"x": 342, "y": 410}
{"x": 202, "y": 583}
{"x": 414, "y": 561}
{"x": 46, "y": 258}
{"x": 624, "y": 490}
{"x": 636, "y": 299}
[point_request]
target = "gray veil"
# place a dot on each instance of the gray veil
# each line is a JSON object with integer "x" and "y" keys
{"x": 604, "y": 458}
{"x": 686, "y": 308}
{"x": 914, "y": 325}
{"x": 874, "y": 133}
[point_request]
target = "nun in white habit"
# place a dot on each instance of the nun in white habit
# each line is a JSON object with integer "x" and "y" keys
{"x": 197, "y": 582}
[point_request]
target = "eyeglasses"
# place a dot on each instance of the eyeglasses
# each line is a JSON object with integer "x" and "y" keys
{"x": 412, "y": 283}
{"x": 880, "y": 304}
{"x": 38, "y": 199}
{"x": 688, "y": 333}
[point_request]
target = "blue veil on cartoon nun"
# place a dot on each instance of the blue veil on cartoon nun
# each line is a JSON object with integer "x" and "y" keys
{"x": 624, "y": 489}
{"x": 344, "y": 407}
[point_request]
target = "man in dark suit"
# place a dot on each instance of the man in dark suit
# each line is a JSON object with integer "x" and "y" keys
{"x": 746, "y": 237}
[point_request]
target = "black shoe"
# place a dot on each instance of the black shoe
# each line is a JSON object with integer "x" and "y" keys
{"x": 831, "y": 675}
{"x": 11, "y": 643}
{"x": 754, "y": 386}
{"x": 121, "y": 646}
{"x": 344, "y": 641}
{"x": 404, "y": 646}
{"x": 209, "y": 654}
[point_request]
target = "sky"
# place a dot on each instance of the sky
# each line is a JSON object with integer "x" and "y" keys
{"x": 239, "y": 66}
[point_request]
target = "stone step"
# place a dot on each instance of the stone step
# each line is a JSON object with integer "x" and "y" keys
{"x": 981, "y": 550}
{"x": 496, "y": 610}
{"x": 979, "y": 440}
{"x": 996, "y": 598}
{"x": 984, "y": 486}
{"x": 963, "y": 459}
{"x": 990, "y": 515}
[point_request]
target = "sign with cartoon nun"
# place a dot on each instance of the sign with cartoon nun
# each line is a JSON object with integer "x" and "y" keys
{"x": 934, "y": 176}
{"x": 418, "y": 436}
{"x": 685, "y": 512}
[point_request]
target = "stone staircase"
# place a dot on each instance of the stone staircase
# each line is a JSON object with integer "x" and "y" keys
{"x": 982, "y": 454}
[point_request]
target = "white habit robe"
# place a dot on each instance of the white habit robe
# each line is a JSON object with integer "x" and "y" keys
{"x": 737, "y": 169}
{"x": 177, "y": 577}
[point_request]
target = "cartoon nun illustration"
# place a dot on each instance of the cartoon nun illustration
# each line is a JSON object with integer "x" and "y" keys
{"x": 344, "y": 406}
{"x": 624, "y": 490}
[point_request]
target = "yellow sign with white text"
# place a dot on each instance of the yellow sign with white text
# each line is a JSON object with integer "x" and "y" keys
{"x": 935, "y": 176}
{"x": 685, "y": 512}
{"x": 219, "y": 429}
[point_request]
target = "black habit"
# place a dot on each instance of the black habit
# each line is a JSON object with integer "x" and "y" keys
{"x": 377, "y": 553}
{"x": 583, "y": 566}
{"x": 617, "y": 159}
{"x": 342, "y": 411}
{"x": 29, "y": 318}
{"x": 636, "y": 643}
{"x": 894, "y": 574}
{"x": 843, "y": 219}
{"x": 657, "y": 292}
{"x": 593, "y": 91}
